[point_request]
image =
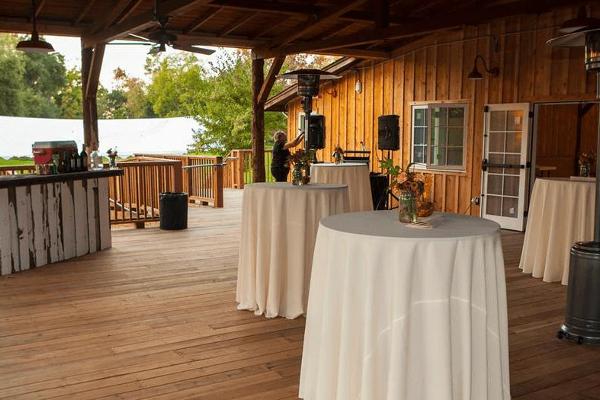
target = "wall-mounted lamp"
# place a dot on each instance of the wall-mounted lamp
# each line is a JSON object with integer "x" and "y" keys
{"x": 476, "y": 75}
{"x": 358, "y": 87}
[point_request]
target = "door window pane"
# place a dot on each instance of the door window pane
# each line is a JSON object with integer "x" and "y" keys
{"x": 513, "y": 142}
{"x": 514, "y": 120}
{"x": 494, "y": 184}
{"x": 511, "y": 185}
{"x": 496, "y": 140}
{"x": 510, "y": 207}
{"x": 493, "y": 205}
{"x": 497, "y": 120}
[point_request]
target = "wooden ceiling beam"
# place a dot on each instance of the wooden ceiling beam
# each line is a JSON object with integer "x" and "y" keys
{"x": 430, "y": 25}
{"x": 39, "y": 7}
{"x": 127, "y": 11}
{"x": 267, "y": 85}
{"x": 46, "y": 26}
{"x": 139, "y": 22}
{"x": 239, "y": 23}
{"x": 198, "y": 22}
{"x": 357, "y": 53}
{"x": 211, "y": 39}
{"x": 85, "y": 11}
{"x": 321, "y": 18}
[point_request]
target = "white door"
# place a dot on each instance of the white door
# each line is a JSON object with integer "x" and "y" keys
{"x": 505, "y": 167}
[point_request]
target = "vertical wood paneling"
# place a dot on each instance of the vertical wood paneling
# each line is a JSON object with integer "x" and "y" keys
{"x": 47, "y": 223}
{"x": 81, "y": 218}
{"x": 435, "y": 69}
{"x": 5, "y": 235}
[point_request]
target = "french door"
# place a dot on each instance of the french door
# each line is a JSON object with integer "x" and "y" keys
{"x": 505, "y": 166}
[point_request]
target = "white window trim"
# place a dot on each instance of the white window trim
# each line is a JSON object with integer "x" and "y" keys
{"x": 428, "y": 166}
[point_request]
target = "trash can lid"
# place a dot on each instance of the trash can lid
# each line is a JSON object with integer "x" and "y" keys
{"x": 587, "y": 247}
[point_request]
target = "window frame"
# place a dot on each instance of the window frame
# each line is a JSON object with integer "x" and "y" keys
{"x": 429, "y": 107}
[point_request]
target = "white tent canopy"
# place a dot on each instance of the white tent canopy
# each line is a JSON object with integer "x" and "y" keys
{"x": 148, "y": 135}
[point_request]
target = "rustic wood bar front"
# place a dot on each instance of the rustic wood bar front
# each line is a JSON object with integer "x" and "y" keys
{"x": 47, "y": 219}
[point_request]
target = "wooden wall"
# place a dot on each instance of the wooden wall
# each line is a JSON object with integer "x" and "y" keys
{"x": 558, "y": 128}
{"x": 46, "y": 223}
{"x": 435, "y": 69}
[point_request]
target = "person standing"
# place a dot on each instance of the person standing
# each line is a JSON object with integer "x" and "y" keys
{"x": 280, "y": 166}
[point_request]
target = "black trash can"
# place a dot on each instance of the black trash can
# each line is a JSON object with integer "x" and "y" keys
{"x": 173, "y": 208}
{"x": 582, "y": 322}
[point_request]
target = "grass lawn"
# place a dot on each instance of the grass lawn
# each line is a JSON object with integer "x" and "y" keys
{"x": 10, "y": 163}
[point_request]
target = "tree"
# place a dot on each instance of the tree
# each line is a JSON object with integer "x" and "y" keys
{"x": 29, "y": 83}
{"x": 70, "y": 97}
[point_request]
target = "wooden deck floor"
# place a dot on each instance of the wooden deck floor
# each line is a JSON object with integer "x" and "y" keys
{"x": 155, "y": 317}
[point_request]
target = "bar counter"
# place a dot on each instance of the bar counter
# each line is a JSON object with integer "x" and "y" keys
{"x": 50, "y": 218}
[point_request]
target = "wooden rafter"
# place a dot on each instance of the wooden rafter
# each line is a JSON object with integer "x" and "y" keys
{"x": 270, "y": 79}
{"x": 139, "y": 21}
{"x": 85, "y": 11}
{"x": 39, "y": 7}
{"x": 433, "y": 24}
{"x": 322, "y": 18}
{"x": 198, "y": 22}
{"x": 211, "y": 39}
{"x": 239, "y": 23}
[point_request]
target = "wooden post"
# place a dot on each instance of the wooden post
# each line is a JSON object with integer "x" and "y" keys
{"x": 178, "y": 176}
{"x": 91, "y": 64}
{"x": 218, "y": 183}
{"x": 258, "y": 122}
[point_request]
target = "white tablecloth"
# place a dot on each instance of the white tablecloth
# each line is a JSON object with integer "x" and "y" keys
{"x": 356, "y": 176}
{"x": 279, "y": 227}
{"x": 561, "y": 212}
{"x": 403, "y": 313}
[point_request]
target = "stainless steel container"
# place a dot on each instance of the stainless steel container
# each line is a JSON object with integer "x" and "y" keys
{"x": 582, "y": 322}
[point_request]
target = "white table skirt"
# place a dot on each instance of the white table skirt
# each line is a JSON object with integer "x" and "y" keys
{"x": 356, "y": 176}
{"x": 279, "y": 227}
{"x": 403, "y": 313}
{"x": 561, "y": 212}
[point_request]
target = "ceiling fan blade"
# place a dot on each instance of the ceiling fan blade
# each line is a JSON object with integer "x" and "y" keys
{"x": 139, "y": 37}
{"x": 129, "y": 43}
{"x": 193, "y": 49}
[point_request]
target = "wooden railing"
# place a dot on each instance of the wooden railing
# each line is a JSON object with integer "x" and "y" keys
{"x": 134, "y": 196}
{"x": 17, "y": 170}
{"x": 202, "y": 176}
{"x": 238, "y": 168}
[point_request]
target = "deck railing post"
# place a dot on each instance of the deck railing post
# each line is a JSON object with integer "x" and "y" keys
{"x": 178, "y": 177}
{"x": 217, "y": 181}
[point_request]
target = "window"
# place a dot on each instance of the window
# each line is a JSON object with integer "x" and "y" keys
{"x": 438, "y": 132}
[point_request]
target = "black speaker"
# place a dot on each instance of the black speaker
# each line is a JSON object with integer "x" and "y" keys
{"x": 316, "y": 135}
{"x": 388, "y": 132}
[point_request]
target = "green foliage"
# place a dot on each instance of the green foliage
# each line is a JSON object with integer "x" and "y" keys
{"x": 29, "y": 83}
{"x": 69, "y": 98}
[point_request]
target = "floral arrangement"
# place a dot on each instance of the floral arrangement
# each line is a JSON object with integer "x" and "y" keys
{"x": 410, "y": 190}
{"x": 301, "y": 160}
{"x": 587, "y": 158}
{"x": 112, "y": 156}
{"x": 338, "y": 154}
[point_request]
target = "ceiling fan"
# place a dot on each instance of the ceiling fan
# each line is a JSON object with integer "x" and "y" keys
{"x": 162, "y": 37}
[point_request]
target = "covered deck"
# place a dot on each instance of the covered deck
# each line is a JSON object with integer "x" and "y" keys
{"x": 155, "y": 317}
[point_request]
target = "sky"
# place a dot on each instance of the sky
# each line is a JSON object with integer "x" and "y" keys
{"x": 130, "y": 58}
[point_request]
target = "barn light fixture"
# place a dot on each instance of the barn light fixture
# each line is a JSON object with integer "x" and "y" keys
{"x": 34, "y": 44}
{"x": 476, "y": 75}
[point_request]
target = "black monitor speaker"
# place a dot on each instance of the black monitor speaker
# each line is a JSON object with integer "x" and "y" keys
{"x": 388, "y": 132}
{"x": 316, "y": 135}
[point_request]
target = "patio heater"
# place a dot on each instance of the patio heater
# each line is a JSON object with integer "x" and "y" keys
{"x": 582, "y": 320}
{"x": 308, "y": 81}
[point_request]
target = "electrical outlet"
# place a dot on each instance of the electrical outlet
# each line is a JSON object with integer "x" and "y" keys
{"x": 476, "y": 200}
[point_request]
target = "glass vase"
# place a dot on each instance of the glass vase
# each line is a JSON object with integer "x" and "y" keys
{"x": 584, "y": 170}
{"x": 407, "y": 208}
{"x": 297, "y": 174}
